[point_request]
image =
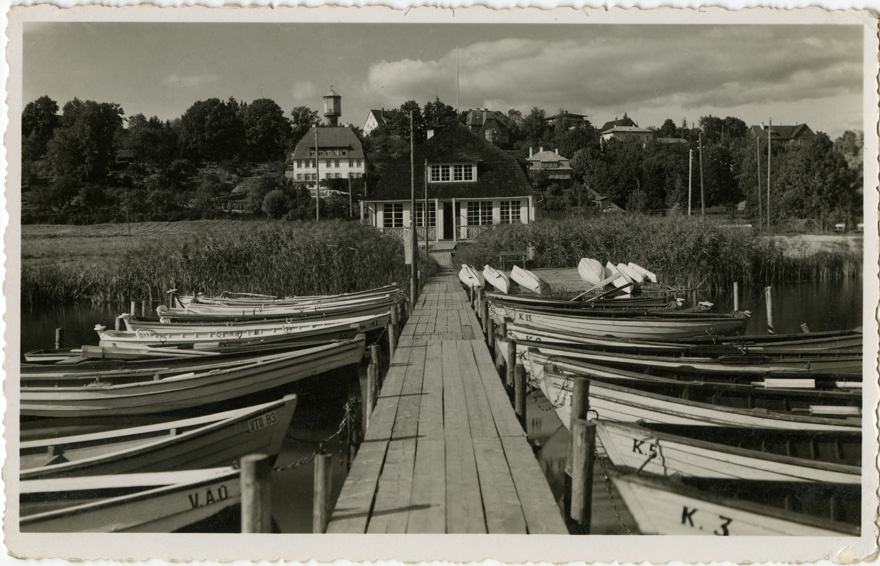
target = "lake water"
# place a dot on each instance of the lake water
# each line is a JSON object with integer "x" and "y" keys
{"x": 821, "y": 305}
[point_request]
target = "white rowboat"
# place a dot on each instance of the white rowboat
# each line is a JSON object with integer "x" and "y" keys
{"x": 529, "y": 280}
{"x": 496, "y": 278}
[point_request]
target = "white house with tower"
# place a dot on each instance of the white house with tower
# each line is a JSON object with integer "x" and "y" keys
{"x": 327, "y": 152}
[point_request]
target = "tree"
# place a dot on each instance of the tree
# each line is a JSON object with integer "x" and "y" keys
{"x": 302, "y": 119}
{"x": 535, "y": 126}
{"x": 851, "y": 146}
{"x": 266, "y": 130}
{"x": 212, "y": 130}
{"x": 711, "y": 127}
{"x": 275, "y": 204}
{"x": 438, "y": 113}
{"x": 668, "y": 129}
{"x": 38, "y": 122}
{"x": 83, "y": 147}
{"x": 734, "y": 128}
{"x": 151, "y": 142}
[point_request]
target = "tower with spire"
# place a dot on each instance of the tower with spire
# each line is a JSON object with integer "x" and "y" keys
{"x": 332, "y": 107}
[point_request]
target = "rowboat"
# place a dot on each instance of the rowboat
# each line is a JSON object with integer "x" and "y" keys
{"x": 658, "y": 325}
{"x": 837, "y": 340}
{"x": 636, "y": 276}
{"x": 528, "y": 280}
{"x": 621, "y": 280}
{"x": 687, "y": 506}
{"x": 471, "y": 277}
{"x": 591, "y": 271}
{"x": 156, "y": 502}
{"x": 644, "y": 272}
{"x": 708, "y": 452}
{"x": 212, "y": 313}
{"x": 218, "y": 439}
{"x": 251, "y": 299}
{"x": 844, "y": 365}
{"x": 209, "y": 337}
{"x": 51, "y": 355}
{"x": 145, "y": 392}
{"x": 622, "y": 396}
{"x": 622, "y": 303}
{"x": 496, "y": 278}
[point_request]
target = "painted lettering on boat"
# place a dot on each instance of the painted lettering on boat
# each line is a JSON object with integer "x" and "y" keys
{"x": 638, "y": 444}
{"x": 525, "y": 317}
{"x": 262, "y": 421}
{"x": 211, "y": 496}
{"x": 687, "y": 518}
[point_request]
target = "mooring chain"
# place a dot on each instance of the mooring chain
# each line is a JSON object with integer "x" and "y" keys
{"x": 349, "y": 424}
{"x": 609, "y": 489}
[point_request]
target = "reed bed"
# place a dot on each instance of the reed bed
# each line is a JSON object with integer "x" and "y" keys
{"x": 294, "y": 258}
{"x": 686, "y": 254}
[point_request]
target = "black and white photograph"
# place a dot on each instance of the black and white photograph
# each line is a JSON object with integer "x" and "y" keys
{"x": 593, "y": 284}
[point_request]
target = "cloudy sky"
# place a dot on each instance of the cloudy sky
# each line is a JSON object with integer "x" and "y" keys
{"x": 790, "y": 74}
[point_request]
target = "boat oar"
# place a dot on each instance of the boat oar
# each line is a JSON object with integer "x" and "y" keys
{"x": 610, "y": 291}
{"x": 598, "y": 285}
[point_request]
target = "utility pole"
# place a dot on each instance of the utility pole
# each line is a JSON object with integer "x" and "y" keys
{"x": 317, "y": 179}
{"x": 702, "y": 192}
{"x": 758, "y": 157}
{"x": 690, "y": 179}
{"x": 350, "y": 200}
{"x": 769, "y": 134}
{"x": 414, "y": 271}
{"x": 426, "y": 216}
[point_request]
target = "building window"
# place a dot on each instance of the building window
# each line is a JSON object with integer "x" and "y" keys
{"x": 358, "y": 161}
{"x": 479, "y": 213}
{"x": 351, "y": 163}
{"x": 299, "y": 176}
{"x": 447, "y": 173}
{"x": 393, "y": 217}
{"x": 463, "y": 173}
{"x": 510, "y": 212}
{"x": 420, "y": 214}
{"x": 336, "y": 163}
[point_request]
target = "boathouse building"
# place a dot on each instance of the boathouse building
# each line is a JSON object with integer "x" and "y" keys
{"x": 471, "y": 186}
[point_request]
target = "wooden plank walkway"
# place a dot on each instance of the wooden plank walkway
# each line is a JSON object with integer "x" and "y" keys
{"x": 444, "y": 452}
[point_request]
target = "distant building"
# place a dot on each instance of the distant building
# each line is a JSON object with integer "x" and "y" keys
{"x": 551, "y": 163}
{"x": 627, "y": 133}
{"x": 376, "y": 118}
{"x": 338, "y": 155}
{"x": 471, "y": 186}
{"x": 798, "y": 133}
{"x": 489, "y": 125}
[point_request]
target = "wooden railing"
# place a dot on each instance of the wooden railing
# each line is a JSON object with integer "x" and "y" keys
{"x": 471, "y": 232}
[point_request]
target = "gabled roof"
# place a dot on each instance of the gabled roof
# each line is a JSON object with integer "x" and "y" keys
{"x": 338, "y": 137}
{"x": 551, "y": 157}
{"x": 783, "y": 132}
{"x": 380, "y": 116}
{"x": 625, "y": 121}
{"x": 477, "y": 118}
{"x": 498, "y": 173}
{"x": 627, "y": 130}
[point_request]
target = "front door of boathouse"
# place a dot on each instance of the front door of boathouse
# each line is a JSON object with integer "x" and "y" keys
{"x": 448, "y": 221}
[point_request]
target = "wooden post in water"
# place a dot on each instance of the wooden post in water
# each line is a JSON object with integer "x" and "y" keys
{"x": 520, "y": 393}
{"x": 149, "y": 303}
{"x": 376, "y": 354}
{"x": 59, "y": 338}
{"x": 371, "y": 392}
{"x": 144, "y": 310}
{"x": 256, "y": 496}
{"x": 735, "y": 296}
{"x": 133, "y": 308}
{"x": 511, "y": 363}
{"x": 484, "y": 316}
{"x": 478, "y": 307}
{"x": 580, "y": 400}
{"x": 118, "y": 324}
{"x": 583, "y": 439}
{"x": 490, "y": 335}
{"x": 392, "y": 332}
{"x": 323, "y": 487}
{"x": 768, "y": 295}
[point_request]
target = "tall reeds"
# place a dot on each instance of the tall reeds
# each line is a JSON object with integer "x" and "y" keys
{"x": 687, "y": 254}
{"x": 294, "y": 258}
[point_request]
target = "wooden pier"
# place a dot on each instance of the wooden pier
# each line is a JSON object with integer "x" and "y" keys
{"x": 444, "y": 452}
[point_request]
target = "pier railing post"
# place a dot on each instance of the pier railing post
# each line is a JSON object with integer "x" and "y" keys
{"x": 520, "y": 393}
{"x": 768, "y": 295}
{"x": 59, "y": 338}
{"x": 256, "y": 496}
{"x": 323, "y": 487}
{"x": 583, "y": 438}
{"x": 735, "y": 296}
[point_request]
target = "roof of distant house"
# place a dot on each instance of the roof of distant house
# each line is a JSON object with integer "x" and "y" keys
{"x": 625, "y": 121}
{"x": 381, "y": 116}
{"x": 338, "y": 137}
{"x": 476, "y": 118}
{"x": 548, "y": 156}
{"x": 567, "y": 114}
{"x": 498, "y": 173}
{"x": 784, "y": 132}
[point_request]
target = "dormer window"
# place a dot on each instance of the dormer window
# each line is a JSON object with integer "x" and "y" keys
{"x": 461, "y": 172}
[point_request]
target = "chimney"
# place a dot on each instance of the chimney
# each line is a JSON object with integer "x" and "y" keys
{"x": 542, "y": 149}
{"x": 556, "y": 151}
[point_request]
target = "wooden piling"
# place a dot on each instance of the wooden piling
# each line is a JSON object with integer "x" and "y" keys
{"x": 580, "y": 400}
{"x": 59, "y": 338}
{"x": 768, "y": 296}
{"x": 376, "y": 354}
{"x": 256, "y": 496}
{"x": 735, "y": 296}
{"x": 392, "y": 332}
{"x": 583, "y": 439}
{"x": 144, "y": 310}
{"x": 511, "y": 362}
{"x": 323, "y": 486}
{"x": 490, "y": 336}
{"x": 520, "y": 393}
{"x": 478, "y": 307}
{"x": 484, "y": 316}
{"x": 149, "y": 304}
{"x": 118, "y": 324}
{"x": 133, "y": 308}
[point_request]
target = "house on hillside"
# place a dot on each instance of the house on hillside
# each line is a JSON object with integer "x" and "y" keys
{"x": 625, "y": 122}
{"x": 331, "y": 152}
{"x": 798, "y": 133}
{"x": 470, "y": 184}
{"x": 374, "y": 119}
{"x": 550, "y": 163}
{"x": 489, "y": 125}
{"x": 628, "y": 133}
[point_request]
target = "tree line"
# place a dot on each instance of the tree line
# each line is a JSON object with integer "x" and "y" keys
{"x": 90, "y": 163}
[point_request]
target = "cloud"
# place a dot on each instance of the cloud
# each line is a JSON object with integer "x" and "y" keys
{"x": 304, "y": 91}
{"x": 623, "y": 68}
{"x": 191, "y": 81}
